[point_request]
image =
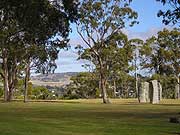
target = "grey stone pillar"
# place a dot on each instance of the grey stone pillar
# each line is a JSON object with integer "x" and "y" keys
{"x": 147, "y": 92}
{"x": 154, "y": 92}
{"x": 142, "y": 93}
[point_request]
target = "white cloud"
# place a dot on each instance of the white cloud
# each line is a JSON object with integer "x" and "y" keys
{"x": 144, "y": 35}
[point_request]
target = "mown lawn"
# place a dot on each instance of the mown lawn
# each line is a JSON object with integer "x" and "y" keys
{"x": 84, "y": 117}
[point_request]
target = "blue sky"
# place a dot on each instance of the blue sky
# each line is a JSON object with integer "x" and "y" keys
{"x": 148, "y": 25}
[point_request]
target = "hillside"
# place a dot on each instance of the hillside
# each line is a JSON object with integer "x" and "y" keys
{"x": 56, "y": 79}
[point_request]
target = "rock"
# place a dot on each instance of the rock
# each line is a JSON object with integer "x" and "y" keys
{"x": 147, "y": 92}
{"x": 155, "y": 94}
{"x": 144, "y": 92}
{"x": 174, "y": 120}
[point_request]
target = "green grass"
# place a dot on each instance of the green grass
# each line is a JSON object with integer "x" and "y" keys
{"x": 89, "y": 117}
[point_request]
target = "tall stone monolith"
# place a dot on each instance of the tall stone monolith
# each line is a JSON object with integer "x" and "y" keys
{"x": 142, "y": 93}
{"x": 154, "y": 92}
{"x": 147, "y": 92}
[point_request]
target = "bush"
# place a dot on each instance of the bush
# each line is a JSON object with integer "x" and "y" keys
{"x": 72, "y": 96}
{"x": 40, "y": 92}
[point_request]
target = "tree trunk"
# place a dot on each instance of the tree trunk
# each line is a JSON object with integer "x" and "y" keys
{"x": 137, "y": 91}
{"x": 5, "y": 70}
{"x": 114, "y": 88}
{"x": 177, "y": 89}
{"x": 104, "y": 91}
{"x": 6, "y": 86}
{"x": 10, "y": 96}
{"x": 27, "y": 76}
{"x": 12, "y": 77}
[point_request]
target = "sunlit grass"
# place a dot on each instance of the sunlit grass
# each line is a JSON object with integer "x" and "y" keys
{"x": 89, "y": 117}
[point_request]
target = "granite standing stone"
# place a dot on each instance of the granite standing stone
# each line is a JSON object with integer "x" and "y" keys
{"x": 142, "y": 93}
{"x": 147, "y": 92}
{"x": 154, "y": 92}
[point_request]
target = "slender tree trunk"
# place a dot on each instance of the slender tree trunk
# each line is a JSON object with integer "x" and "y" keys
{"x": 136, "y": 85}
{"x": 103, "y": 82}
{"x": 27, "y": 76}
{"x": 6, "y": 86}
{"x": 136, "y": 77}
{"x": 100, "y": 90}
{"x": 114, "y": 88}
{"x": 5, "y": 70}
{"x": 177, "y": 89}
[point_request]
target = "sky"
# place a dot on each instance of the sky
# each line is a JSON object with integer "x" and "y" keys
{"x": 149, "y": 24}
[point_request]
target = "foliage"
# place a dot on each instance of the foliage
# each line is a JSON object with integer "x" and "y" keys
{"x": 161, "y": 54}
{"x": 40, "y": 92}
{"x": 172, "y": 15}
{"x": 168, "y": 87}
{"x": 30, "y": 88}
{"x": 83, "y": 85}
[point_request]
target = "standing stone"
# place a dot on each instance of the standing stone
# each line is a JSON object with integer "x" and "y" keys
{"x": 160, "y": 91}
{"x": 147, "y": 91}
{"x": 144, "y": 92}
{"x": 154, "y": 92}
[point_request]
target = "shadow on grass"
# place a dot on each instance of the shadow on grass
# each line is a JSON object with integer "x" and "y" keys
{"x": 169, "y": 104}
{"x": 173, "y": 133}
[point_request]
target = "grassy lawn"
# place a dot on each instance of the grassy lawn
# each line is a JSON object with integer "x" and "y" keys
{"x": 89, "y": 117}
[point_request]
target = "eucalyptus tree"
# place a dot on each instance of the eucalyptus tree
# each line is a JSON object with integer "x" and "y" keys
{"x": 136, "y": 45}
{"x": 99, "y": 20}
{"x": 115, "y": 55}
{"x": 40, "y": 24}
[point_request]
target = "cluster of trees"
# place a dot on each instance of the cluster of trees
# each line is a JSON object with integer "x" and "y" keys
{"x": 157, "y": 58}
{"x": 31, "y": 34}
{"x": 161, "y": 56}
{"x": 34, "y": 92}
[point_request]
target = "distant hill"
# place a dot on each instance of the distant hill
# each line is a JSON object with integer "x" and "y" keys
{"x": 56, "y": 79}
